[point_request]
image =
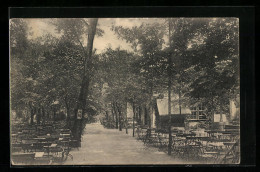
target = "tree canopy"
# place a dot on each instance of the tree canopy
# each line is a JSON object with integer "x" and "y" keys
{"x": 66, "y": 69}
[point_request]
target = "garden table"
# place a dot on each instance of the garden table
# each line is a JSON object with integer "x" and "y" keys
{"x": 65, "y": 135}
{"x": 39, "y": 154}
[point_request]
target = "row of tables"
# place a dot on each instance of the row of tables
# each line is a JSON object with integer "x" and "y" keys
{"x": 189, "y": 145}
{"x": 27, "y": 147}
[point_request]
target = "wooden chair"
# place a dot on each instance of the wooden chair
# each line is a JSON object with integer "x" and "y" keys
{"x": 163, "y": 141}
{"x": 232, "y": 155}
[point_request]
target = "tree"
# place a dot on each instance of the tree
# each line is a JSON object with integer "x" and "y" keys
{"x": 88, "y": 65}
{"x": 25, "y": 56}
{"x": 76, "y": 31}
{"x": 214, "y": 64}
{"x": 19, "y": 32}
{"x": 64, "y": 65}
{"x": 117, "y": 76}
{"x": 147, "y": 40}
{"x": 18, "y": 46}
{"x": 204, "y": 59}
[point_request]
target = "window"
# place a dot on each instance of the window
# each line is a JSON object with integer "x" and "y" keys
{"x": 193, "y": 115}
{"x": 197, "y": 112}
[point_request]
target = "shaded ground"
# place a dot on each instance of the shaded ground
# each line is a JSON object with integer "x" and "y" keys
{"x": 102, "y": 146}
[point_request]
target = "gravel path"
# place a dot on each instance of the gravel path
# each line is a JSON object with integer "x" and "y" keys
{"x": 102, "y": 146}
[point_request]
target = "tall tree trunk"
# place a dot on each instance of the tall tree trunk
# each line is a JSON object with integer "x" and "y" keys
{"x": 116, "y": 113}
{"x": 68, "y": 114}
{"x": 134, "y": 115}
{"x": 113, "y": 114}
{"x": 212, "y": 111}
{"x": 169, "y": 91}
{"x": 38, "y": 116}
{"x": 47, "y": 114}
{"x": 32, "y": 112}
{"x": 88, "y": 66}
{"x": 126, "y": 120}
{"x": 67, "y": 109}
{"x": 157, "y": 115}
{"x": 150, "y": 117}
{"x": 32, "y": 115}
{"x": 107, "y": 120}
{"x": 119, "y": 117}
{"x": 145, "y": 116}
{"x": 43, "y": 116}
{"x": 139, "y": 114}
{"x": 83, "y": 94}
{"x": 180, "y": 100}
{"x": 106, "y": 115}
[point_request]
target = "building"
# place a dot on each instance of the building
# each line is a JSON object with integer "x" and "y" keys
{"x": 195, "y": 116}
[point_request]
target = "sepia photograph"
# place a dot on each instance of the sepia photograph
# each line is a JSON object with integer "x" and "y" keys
{"x": 124, "y": 91}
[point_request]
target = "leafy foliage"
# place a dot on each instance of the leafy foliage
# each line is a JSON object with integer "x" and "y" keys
{"x": 204, "y": 68}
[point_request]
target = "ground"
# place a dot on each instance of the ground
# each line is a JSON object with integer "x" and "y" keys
{"x": 101, "y": 146}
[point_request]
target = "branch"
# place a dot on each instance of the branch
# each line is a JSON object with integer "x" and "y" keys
{"x": 86, "y": 23}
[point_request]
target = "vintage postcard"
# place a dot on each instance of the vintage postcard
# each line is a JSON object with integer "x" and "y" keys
{"x": 124, "y": 91}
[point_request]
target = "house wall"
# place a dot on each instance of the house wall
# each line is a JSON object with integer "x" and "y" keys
{"x": 217, "y": 118}
{"x": 163, "y": 106}
{"x": 234, "y": 109}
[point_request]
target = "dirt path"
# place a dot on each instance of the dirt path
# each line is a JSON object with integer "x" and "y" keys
{"x": 102, "y": 146}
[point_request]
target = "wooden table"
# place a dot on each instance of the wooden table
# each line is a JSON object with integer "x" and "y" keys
{"x": 39, "y": 154}
{"x": 41, "y": 158}
{"x": 65, "y": 135}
